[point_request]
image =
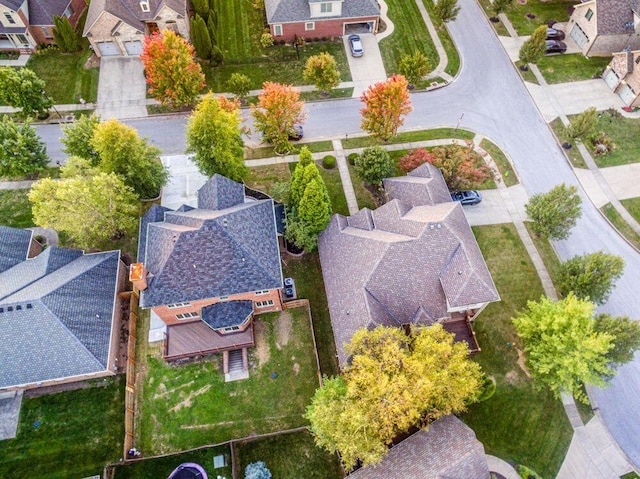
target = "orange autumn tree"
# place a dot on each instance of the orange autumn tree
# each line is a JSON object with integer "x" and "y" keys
{"x": 386, "y": 105}
{"x": 174, "y": 77}
{"x": 279, "y": 109}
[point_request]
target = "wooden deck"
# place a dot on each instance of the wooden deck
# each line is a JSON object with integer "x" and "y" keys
{"x": 464, "y": 332}
{"x": 196, "y": 338}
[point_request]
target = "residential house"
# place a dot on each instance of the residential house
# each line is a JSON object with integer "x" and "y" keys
{"x": 290, "y": 19}
{"x": 59, "y": 313}
{"x": 447, "y": 450}
{"x": 117, "y": 27}
{"x": 24, "y": 24}
{"x": 205, "y": 272}
{"x": 603, "y": 27}
{"x": 622, "y": 75}
{"x": 412, "y": 261}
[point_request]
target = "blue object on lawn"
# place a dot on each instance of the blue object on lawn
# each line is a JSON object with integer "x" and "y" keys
{"x": 274, "y": 375}
{"x": 36, "y": 424}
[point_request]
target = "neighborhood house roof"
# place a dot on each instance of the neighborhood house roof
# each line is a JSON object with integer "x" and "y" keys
{"x": 12, "y": 4}
{"x": 41, "y": 12}
{"x": 56, "y": 313}
{"x": 227, "y": 313}
{"x": 209, "y": 253}
{"x": 130, "y": 12}
{"x": 447, "y": 450}
{"x": 14, "y": 246}
{"x": 284, "y": 11}
{"x": 616, "y": 16}
{"x": 403, "y": 263}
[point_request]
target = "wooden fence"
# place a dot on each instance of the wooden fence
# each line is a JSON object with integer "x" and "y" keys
{"x": 130, "y": 388}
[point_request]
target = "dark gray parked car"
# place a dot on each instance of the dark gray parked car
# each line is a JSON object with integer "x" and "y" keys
{"x": 467, "y": 197}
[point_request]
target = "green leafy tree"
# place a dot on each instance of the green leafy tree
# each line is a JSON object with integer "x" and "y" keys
{"x": 213, "y": 134}
{"x": 23, "y": 153}
{"x": 446, "y": 10}
{"x": 21, "y": 88}
{"x": 77, "y": 136}
{"x": 554, "y": 213}
{"x": 201, "y": 7}
{"x": 90, "y": 211}
{"x": 76, "y": 166}
{"x": 563, "y": 348}
{"x": 385, "y": 106}
{"x": 394, "y": 382}
{"x": 65, "y": 35}
{"x": 414, "y": 66}
{"x": 584, "y": 125}
{"x": 590, "y": 276}
{"x": 239, "y": 85}
{"x": 278, "y": 110}
{"x": 137, "y": 162}
{"x": 374, "y": 165}
{"x": 173, "y": 75}
{"x": 322, "y": 71}
{"x": 500, "y": 6}
{"x": 626, "y": 334}
{"x": 533, "y": 49}
{"x": 200, "y": 37}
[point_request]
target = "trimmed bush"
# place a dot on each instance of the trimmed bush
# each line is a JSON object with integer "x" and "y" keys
{"x": 488, "y": 389}
{"x": 352, "y": 158}
{"x": 329, "y": 162}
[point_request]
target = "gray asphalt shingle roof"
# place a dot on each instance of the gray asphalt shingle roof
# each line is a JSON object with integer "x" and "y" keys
{"x": 283, "y": 11}
{"x": 401, "y": 264}
{"x": 204, "y": 253}
{"x": 14, "y": 246}
{"x": 227, "y": 313}
{"x": 41, "y": 12}
{"x": 129, "y": 11}
{"x": 12, "y": 4}
{"x": 613, "y": 16}
{"x": 447, "y": 450}
{"x": 56, "y": 313}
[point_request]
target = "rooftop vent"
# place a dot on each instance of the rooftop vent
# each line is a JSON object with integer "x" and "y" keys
{"x": 18, "y": 307}
{"x": 29, "y": 305}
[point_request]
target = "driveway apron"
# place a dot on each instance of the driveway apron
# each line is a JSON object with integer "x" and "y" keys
{"x": 121, "y": 88}
{"x": 367, "y": 69}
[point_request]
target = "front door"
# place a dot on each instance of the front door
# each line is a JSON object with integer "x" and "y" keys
{"x": 152, "y": 27}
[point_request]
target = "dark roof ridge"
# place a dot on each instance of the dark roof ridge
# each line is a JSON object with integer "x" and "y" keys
{"x": 387, "y": 310}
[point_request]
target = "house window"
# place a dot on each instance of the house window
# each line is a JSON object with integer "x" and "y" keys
{"x": 637, "y": 60}
{"x": 177, "y": 305}
{"x": 264, "y": 304}
{"x": 172, "y": 25}
{"x": 47, "y": 32}
{"x": 9, "y": 18}
{"x": 69, "y": 11}
{"x": 326, "y": 7}
{"x": 145, "y": 6}
{"x": 22, "y": 40}
{"x": 259, "y": 293}
{"x": 310, "y": 26}
{"x": 589, "y": 14}
{"x": 224, "y": 298}
{"x": 231, "y": 328}
{"x": 277, "y": 30}
{"x": 192, "y": 314}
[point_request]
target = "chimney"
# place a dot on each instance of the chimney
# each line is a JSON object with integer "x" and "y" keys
{"x": 138, "y": 276}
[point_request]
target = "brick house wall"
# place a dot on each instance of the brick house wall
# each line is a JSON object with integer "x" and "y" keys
{"x": 322, "y": 28}
{"x": 169, "y": 315}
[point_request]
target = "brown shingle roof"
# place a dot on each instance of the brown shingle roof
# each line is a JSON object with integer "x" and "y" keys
{"x": 613, "y": 16}
{"x": 130, "y": 12}
{"x": 447, "y": 450}
{"x": 401, "y": 264}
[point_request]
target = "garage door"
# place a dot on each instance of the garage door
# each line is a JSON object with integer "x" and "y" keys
{"x": 579, "y": 36}
{"x": 133, "y": 48}
{"x": 108, "y": 49}
{"x": 611, "y": 79}
{"x": 627, "y": 94}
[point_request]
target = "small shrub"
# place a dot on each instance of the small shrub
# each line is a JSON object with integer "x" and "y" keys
{"x": 329, "y": 162}
{"x": 216, "y": 55}
{"x": 324, "y": 39}
{"x": 352, "y": 158}
{"x": 316, "y": 39}
{"x": 488, "y": 389}
{"x": 527, "y": 473}
{"x": 266, "y": 40}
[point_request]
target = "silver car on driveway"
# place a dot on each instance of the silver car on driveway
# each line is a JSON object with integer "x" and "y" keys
{"x": 355, "y": 44}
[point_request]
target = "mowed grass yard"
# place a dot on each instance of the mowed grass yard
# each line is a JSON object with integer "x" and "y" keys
{"x": 519, "y": 423}
{"x": 16, "y": 208}
{"x": 289, "y": 456}
{"x": 557, "y": 10}
{"x": 571, "y": 68}
{"x": 189, "y": 405}
{"x": 68, "y": 434}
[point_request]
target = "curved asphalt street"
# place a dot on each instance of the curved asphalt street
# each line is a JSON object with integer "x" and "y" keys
{"x": 492, "y": 100}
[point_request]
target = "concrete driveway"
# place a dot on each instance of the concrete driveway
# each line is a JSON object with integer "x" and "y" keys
{"x": 122, "y": 90}
{"x": 367, "y": 69}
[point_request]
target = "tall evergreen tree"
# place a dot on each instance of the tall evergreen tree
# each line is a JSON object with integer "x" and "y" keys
{"x": 212, "y": 26}
{"x": 200, "y": 37}
{"x": 315, "y": 206}
{"x": 65, "y": 36}
{"x": 201, "y": 7}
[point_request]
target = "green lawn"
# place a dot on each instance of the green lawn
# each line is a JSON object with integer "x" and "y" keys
{"x": 561, "y": 134}
{"x": 278, "y": 64}
{"x": 410, "y": 35}
{"x": 267, "y": 151}
{"x": 633, "y": 206}
{"x": 499, "y": 27}
{"x": 363, "y": 196}
{"x": 239, "y": 28}
{"x": 336, "y": 191}
{"x": 65, "y": 77}
{"x": 543, "y": 11}
{"x": 527, "y": 75}
{"x": 548, "y": 254}
{"x": 188, "y": 405}
{"x": 162, "y": 467}
{"x": 408, "y": 137}
{"x": 519, "y": 423}
{"x": 79, "y": 432}
{"x": 16, "y": 208}
{"x": 289, "y": 456}
{"x": 503, "y": 163}
{"x": 625, "y": 134}
{"x": 570, "y": 68}
{"x": 309, "y": 284}
{"x": 621, "y": 225}
{"x": 453, "y": 58}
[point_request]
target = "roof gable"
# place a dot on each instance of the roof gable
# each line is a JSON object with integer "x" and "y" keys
{"x": 13, "y": 4}
{"x": 227, "y": 314}
{"x": 219, "y": 193}
{"x": 14, "y": 246}
{"x": 298, "y": 10}
{"x": 41, "y": 12}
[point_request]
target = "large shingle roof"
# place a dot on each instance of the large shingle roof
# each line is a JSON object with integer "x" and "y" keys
{"x": 205, "y": 253}
{"x": 401, "y": 264}
{"x": 283, "y": 11}
{"x": 56, "y": 313}
{"x": 14, "y": 246}
{"x": 613, "y": 16}
{"x": 129, "y": 11}
{"x": 447, "y": 450}
{"x": 41, "y": 12}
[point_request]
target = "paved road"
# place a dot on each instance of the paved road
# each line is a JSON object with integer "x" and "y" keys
{"x": 488, "y": 97}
